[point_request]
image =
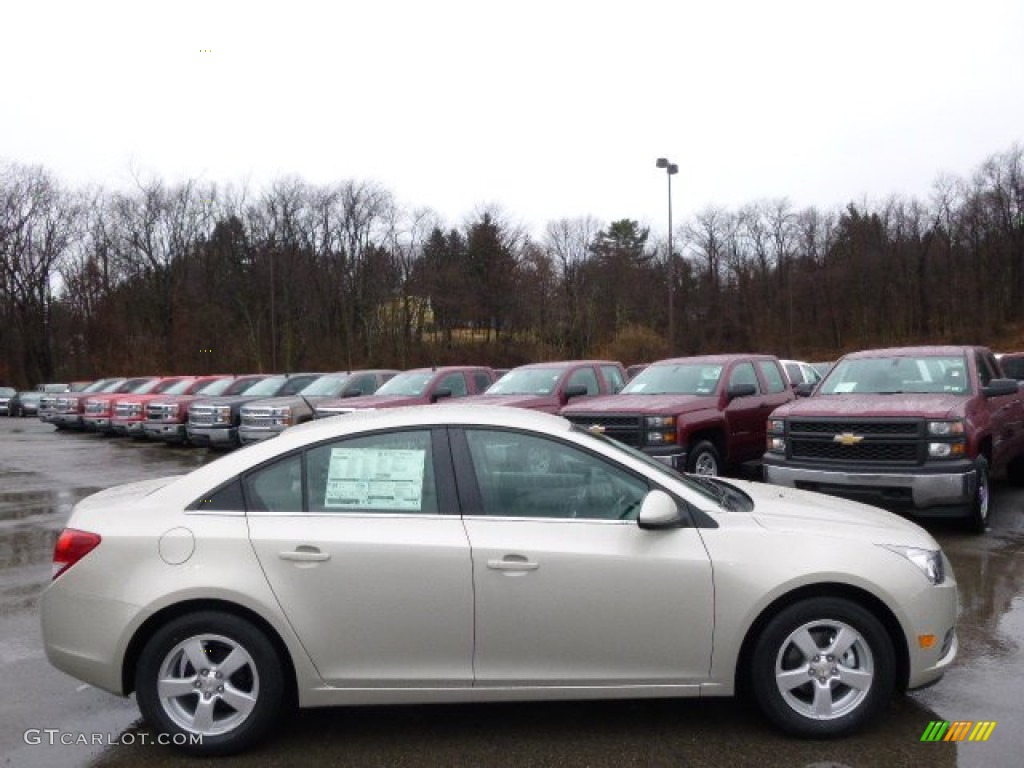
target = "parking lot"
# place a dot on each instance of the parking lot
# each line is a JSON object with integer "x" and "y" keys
{"x": 42, "y": 475}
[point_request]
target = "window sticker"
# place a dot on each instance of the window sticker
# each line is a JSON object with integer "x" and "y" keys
{"x": 846, "y": 387}
{"x": 375, "y": 478}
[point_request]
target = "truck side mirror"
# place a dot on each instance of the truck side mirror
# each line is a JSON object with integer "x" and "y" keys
{"x": 741, "y": 390}
{"x": 803, "y": 389}
{"x": 440, "y": 394}
{"x": 575, "y": 391}
{"x": 1000, "y": 388}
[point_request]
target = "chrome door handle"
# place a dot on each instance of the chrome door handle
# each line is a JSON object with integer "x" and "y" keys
{"x": 512, "y": 565}
{"x": 305, "y": 556}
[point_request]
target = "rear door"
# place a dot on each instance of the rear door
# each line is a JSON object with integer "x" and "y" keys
{"x": 362, "y": 544}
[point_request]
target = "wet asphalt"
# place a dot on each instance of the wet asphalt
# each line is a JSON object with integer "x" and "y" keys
{"x": 44, "y": 473}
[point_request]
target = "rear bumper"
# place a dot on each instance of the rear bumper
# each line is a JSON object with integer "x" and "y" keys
{"x": 948, "y": 491}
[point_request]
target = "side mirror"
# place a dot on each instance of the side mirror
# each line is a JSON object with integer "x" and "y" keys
{"x": 1000, "y": 387}
{"x": 803, "y": 389}
{"x": 570, "y": 392}
{"x": 658, "y": 512}
{"x": 440, "y": 394}
{"x": 741, "y": 390}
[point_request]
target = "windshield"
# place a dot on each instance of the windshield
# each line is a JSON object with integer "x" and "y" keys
{"x": 409, "y": 384}
{"x": 527, "y": 381}
{"x": 267, "y": 387}
{"x": 144, "y": 386}
{"x": 216, "y": 387}
{"x": 178, "y": 387}
{"x": 326, "y": 386}
{"x": 1013, "y": 367}
{"x": 897, "y": 375}
{"x": 675, "y": 379}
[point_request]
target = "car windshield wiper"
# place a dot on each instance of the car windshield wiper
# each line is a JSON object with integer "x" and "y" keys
{"x": 719, "y": 490}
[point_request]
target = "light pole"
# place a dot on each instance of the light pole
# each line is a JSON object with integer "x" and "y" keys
{"x": 671, "y": 169}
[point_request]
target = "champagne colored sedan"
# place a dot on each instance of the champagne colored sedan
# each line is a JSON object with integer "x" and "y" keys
{"x": 416, "y": 555}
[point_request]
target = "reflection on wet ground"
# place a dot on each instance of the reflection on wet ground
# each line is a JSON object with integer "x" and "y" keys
{"x": 42, "y": 475}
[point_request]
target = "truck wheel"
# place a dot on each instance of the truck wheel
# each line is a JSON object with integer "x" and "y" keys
{"x": 978, "y": 519}
{"x": 823, "y": 667}
{"x": 704, "y": 459}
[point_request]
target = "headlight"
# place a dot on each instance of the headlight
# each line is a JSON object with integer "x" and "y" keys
{"x": 222, "y": 414}
{"x": 776, "y": 444}
{"x": 281, "y": 412}
{"x": 776, "y": 426}
{"x": 947, "y": 450}
{"x": 928, "y": 561}
{"x": 661, "y": 422}
{"x": 945, "y": 428}
{"x": 661, "y": 438}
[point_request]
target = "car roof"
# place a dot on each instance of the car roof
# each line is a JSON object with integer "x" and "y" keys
{"x": 565, "y": 364}
{"x": 712, "y": 359}
{"x": 923, "y": 351}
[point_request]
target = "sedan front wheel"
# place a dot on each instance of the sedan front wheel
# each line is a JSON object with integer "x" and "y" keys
{"x": 211, "y": 681}
{"x": 823, "y": 667}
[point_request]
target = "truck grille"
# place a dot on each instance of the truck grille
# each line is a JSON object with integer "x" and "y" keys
{"x": 201, "y": 415}
{"x": 93, "y": 407}
{"x": 127, "y": 410}
{"x": 867, "y": 441}
{"x": 161, "y": 412}
{"x": 622, "y": 427}
{"x": 257, "y": 418}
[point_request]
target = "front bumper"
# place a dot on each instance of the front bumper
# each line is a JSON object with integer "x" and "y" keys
{"x": 97, "y": 423}
{"x": 940, "y": 491}
{"x": 68, "y": 420}
{"x": 673, "y": 457}
{"x": 213, "y": 436}
{"x": 171, "y": 432}
{"x": 122, "y": 427}
{"x": 246, "y": 436}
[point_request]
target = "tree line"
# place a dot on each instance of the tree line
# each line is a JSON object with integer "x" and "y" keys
{"x": 199, "y": 277}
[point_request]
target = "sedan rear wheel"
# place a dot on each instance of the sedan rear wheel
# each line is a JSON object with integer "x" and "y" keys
{"x": 823, "y": 667}
{"x": 212, "y": 681}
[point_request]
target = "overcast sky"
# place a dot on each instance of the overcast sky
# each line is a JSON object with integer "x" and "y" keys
{"x": 549, "y": 109}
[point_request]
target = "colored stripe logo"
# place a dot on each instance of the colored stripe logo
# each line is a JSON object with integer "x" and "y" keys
{"x": 958, "y": 730}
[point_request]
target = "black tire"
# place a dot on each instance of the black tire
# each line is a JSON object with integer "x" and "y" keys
{"x": 981, "y": 505}
{"x": 245, "y": 702}
{"x": 848, "y": 688}
{"x": 703, "y": 459}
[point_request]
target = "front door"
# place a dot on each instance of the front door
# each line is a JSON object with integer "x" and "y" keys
{"x": 569, "y": 590}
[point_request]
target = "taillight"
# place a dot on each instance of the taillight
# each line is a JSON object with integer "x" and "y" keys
{"x": 72, "y": 546}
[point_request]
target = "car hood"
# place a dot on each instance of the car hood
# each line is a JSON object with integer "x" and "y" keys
{"x": 548, "y": 403}
{"x": 788, "y": 509}
{"x": 642, "y": 404}
{"x": 935, "y": 406}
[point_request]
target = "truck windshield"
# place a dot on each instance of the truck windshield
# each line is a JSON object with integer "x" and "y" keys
{"x": 326, "y": 386}
{"x": 529, "y": 381}
{"x": 179, "y": 387}
{"x": 408, "y": 384}
{"x": 267, "y": 387}
{"x": 675, "y": 379}
{"x": 898, "y": 375}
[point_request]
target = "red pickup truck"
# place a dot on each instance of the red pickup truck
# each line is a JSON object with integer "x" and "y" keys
{"x": 697, "y": 414}
{"x": 919, "y": 429}
{"x": 549, "y": 387}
